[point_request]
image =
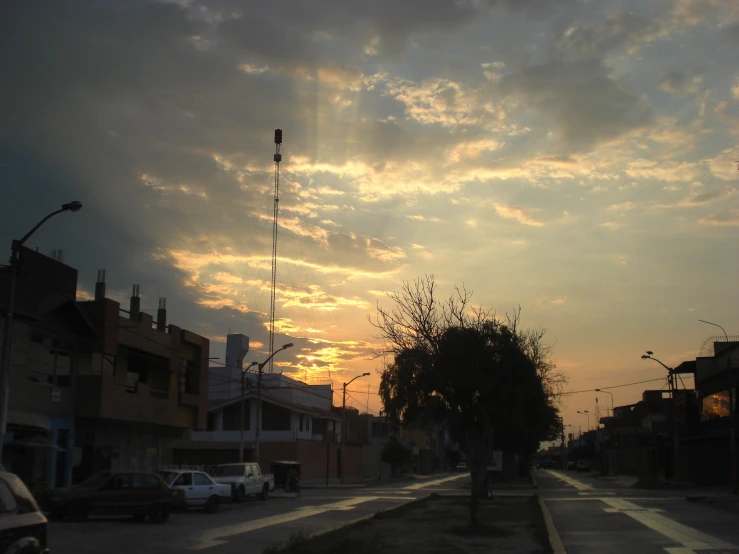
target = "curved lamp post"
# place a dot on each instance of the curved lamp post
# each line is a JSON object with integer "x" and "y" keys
{"x": 259, "y": 396}
{"x": 587, "y": 413}
{"x": 672, "y": 379}
{"x": 243, "y": 394}
{"x": 344, "y": 427}
{"x": 605, "y": 391}
{"x": 8, "y": 330}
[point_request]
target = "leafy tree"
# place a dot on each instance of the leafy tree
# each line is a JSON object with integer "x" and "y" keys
{"x": 395, "y": 454}
{"x": 493, "y": 384}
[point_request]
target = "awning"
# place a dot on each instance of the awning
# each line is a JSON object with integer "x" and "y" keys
{"x": 36, "y": 442}
{"x": 183, "y": 444}
{"x": 29, "y": 420}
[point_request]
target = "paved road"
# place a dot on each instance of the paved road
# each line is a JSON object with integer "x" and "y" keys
{"x": 244, "y": 528}
{"x": 598, "y": 517}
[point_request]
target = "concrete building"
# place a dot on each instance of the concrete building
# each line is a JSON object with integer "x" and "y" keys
{"x": 50, "y": 334}
{"x": 142, "y": 384}
{"x": 297, "y": 421}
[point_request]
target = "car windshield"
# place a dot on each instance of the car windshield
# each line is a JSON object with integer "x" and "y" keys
{"x": 96, "y": 480}
{"x": 233, "y": 470}
{"x": 168, "y": 476}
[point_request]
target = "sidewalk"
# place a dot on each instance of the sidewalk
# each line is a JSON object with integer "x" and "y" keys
{"x": 361, "y": 482}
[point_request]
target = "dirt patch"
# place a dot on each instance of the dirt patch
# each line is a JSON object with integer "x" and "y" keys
{"x": 438, "y": 525}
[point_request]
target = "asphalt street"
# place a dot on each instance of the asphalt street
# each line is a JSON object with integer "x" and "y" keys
{"x": 595, "y": 516}
{"x": 246, "y": 528}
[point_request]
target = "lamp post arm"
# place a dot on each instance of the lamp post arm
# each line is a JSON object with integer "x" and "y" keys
{"x": 19, "y": 243}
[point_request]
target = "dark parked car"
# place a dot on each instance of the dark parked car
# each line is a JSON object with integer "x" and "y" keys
{"x": 139, "y": 494}
{"x": 583, "y": 466}
{"x": 22, "y": 525}
{"x": 570, "y": 466}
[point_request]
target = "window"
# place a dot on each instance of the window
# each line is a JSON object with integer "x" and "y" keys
{"x": 184, "y": 480}
{"x": 119, "y": 482}
{"x": 715, "y": 405}
{"x": 8, "y": 505}
{"x": 144, "y": 482}
{"x": 232, "y": 416}
{"x": 202, "y": 479}
{"x": 189, "y": 377}
{"x": 254, "y": 470}
{"x": 275, "y": 418}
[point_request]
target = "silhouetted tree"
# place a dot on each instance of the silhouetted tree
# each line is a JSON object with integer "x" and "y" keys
{"x": 493, "y": 384}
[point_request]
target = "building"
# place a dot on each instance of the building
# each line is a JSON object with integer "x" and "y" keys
{"x": 50, "y": 335}
{"x": 711, "y": 426}
{"x": 141, "y": 384}
{"x": 296, "y": 421}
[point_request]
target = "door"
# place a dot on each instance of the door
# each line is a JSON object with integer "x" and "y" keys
{"x": 184, "y": 482}
{"x": 9, "y": 532}
{"x": 203, "y": 487}
{"x": 115, "y": 496}
{"x": 147, "y": 492}
{"x": 251, "y": 479}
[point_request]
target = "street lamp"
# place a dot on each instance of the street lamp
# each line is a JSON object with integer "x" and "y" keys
{"x": 605, "y": 391}
{"x": 259, "y": 396}
{"x": 243, "y": 394}
{"x": 8, "y": 331}
{"x": 587, "y": 413}
{"x": 716, "y": 325}
{"x": 344, "y": 429}
{"x": 672, "y": 379}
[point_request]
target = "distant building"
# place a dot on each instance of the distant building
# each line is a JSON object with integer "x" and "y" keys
{"x": 297, "y": 421}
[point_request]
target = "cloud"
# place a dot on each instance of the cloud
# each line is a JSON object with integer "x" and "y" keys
{"x": 729, "y": 218}
{"x": 582, "y": 99}
{"x": 518, "y": 213}
{"x": 611, "y": 224}
{"x": 626, "y": 30}
{"x": 623, "y": 207}
{"x": 560, "y": 300}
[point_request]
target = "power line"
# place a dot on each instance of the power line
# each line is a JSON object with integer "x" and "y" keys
{"x": 606, "y": 388}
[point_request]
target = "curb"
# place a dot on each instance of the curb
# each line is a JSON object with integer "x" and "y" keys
{"x": 334, "y": 487}
{"x": 554, "y": 541}
{"x": 349, "y": 523}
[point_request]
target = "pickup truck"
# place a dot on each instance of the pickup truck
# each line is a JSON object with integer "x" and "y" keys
{"x": 245, "y": 479}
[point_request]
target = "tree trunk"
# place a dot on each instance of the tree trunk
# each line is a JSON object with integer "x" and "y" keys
{"x": 478, "y": 468}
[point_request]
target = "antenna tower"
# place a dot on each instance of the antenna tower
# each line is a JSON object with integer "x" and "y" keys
{"x": 278, "y": 159}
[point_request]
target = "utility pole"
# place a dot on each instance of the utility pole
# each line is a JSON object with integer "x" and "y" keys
{"x": 9, "y": 309}
{"x": 345, "y": 426}
{"x": 672, "y": 379}
{"x": 241, "y": 427}
{"x": 259, "y": 397}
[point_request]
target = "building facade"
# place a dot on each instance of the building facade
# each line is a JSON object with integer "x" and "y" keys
{"x": 50, "y": 335}
{"x": 141, "y": 384}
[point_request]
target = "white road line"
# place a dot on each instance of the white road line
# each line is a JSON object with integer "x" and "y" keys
{"x": 432, "y": 483}
{"x": 686, "y": 536}
{"x": 217, "y": 536}
{"x": 570, "y": 481}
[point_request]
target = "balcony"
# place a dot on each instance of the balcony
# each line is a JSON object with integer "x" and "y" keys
{"x": 102, "y": 396}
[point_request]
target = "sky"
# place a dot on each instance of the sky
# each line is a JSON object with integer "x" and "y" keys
{"x": 571, "y": 157}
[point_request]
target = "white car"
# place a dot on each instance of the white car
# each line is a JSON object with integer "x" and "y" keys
{"x": 245, "y": 479}
{"x": 200, "y": 489}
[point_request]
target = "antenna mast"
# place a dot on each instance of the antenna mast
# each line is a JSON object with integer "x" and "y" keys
{"x": 278, "y": 159}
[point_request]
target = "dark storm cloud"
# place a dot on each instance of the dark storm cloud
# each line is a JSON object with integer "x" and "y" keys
{"x": 587, "y": 105}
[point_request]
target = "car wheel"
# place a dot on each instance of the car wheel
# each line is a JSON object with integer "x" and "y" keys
{"x": 265, "y": 492}
{"x": 212, "y": 505}
{"x": 79, "y": 510}
{"x": 160, "y": 514}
